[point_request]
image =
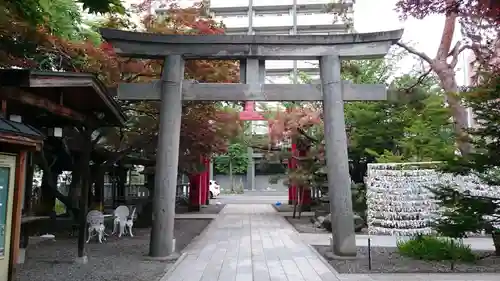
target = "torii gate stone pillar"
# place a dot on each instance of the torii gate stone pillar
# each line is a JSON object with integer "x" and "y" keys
{"x": 254, "y": 49}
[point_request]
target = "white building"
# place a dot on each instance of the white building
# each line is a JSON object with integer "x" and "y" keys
{"x": 283, "y": 17}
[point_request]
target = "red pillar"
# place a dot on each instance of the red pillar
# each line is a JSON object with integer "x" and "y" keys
{"x": 203, "y": 186}
{"x": 206, "y": 180}
{"x": 195, "y": 192}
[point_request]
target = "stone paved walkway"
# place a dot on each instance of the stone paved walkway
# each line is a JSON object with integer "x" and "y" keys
{"x": 251, "y": 242}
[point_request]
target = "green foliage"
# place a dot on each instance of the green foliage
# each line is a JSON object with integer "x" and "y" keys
{"x": 358, "y": 191}
{"x": 236, "y": 157}
{"x": 432, "y": 248}
{"x": 62, "y": 18}
{"x": 412, "y": 126}
{"x": 59, "y": 207}
{"x": 463, "y": 213}
{"x": 103, "y": 6}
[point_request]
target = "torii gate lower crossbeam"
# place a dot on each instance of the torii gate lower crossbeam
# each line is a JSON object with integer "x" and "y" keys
{"x": 330, "y": 50}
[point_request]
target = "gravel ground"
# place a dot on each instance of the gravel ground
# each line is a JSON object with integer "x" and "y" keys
{"x": 117, "y": 259}
{"x": 387, "y": 260}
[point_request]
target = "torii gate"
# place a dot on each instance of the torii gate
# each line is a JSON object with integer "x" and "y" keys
{"x": 253, "y": 50}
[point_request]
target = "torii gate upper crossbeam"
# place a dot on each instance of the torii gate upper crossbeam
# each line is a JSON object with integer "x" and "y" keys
{"x": 263, "y": 47}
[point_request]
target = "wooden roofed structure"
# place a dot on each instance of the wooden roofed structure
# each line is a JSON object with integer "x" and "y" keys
{"x": 59, "y": 98}
{"x": 34, "y": 103}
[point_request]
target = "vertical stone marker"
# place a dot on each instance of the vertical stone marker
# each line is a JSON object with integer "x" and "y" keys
{"x": 253, "y": 50}
{"x": 254, "y": 75}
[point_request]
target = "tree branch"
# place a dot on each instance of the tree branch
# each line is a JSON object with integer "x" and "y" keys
{"x": 419, "y": 80}
{"x": 454, "y": 53}
{"x": 415, "y": 52}
{"x": 310, "y": 138}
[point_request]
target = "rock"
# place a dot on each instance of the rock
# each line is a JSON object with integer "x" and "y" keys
{"x": 326, "y": 222}
{"x": 359, "y": 223}
{"x": 321, "y": 212}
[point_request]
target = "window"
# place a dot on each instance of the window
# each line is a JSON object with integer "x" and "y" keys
{"x": 232, "y": 14}
{"x": 310, "y": 11}
{"x": 273, "y": 13}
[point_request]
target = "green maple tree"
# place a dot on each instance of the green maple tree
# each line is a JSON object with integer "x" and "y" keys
{"x": 412, "y": 125}
{"x": 206, "y": 129}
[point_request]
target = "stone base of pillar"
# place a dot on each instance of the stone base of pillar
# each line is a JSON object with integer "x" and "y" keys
{"x": 331, "y": 255}
{"x": 172, "y": 257}
{"x": 336, "y": 256}
{"x": 81, "y": 260}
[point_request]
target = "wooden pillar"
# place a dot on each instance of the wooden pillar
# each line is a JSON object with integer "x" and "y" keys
{"x": 17, "y": 209}
{"x": 84, "y": 196}
{"x": 28, "y": 192}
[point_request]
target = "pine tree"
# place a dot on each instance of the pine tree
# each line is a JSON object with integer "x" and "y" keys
{"x": 464, "y": 212}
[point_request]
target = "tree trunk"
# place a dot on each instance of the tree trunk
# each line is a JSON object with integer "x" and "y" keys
{"x": 496, "y": 241}
{"x": 85, "y": 189}
{"x": 74, "y": 187}
{"x": 459, "y": 113}
{"x": 296, "y": 202}
{"x": 301, "y": 200}
{"x": 98, "y": 180}
{"x": 121, "y": 185}
{"x": 52, "y": 184}
{"x": 445, "y": 70}
{"x": 48, "y": 198}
